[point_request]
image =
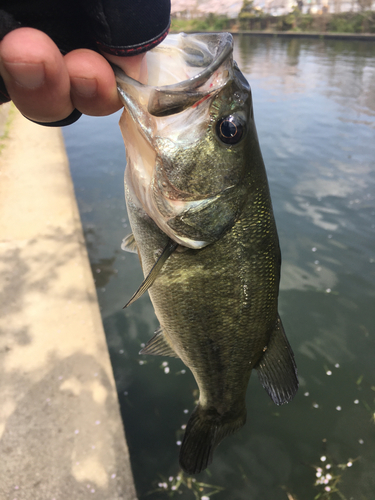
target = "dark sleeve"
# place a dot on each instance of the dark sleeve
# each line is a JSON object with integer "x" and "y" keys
{"x": 128, "y": 27}
{"x": 119, "y": 27}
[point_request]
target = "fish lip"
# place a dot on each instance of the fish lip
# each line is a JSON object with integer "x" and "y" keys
{"x": 158, "y": 95}
{"x": 224, "y": 49}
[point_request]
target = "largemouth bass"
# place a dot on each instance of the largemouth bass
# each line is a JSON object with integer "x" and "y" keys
{"x": 202, "y": 224}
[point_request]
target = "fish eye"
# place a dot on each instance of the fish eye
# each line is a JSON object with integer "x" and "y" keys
{"x": 230, "y": 129}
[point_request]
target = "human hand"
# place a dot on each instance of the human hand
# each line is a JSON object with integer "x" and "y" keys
{"x": 46, "y": 86}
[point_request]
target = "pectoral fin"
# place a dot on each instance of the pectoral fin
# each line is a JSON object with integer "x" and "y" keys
{"x": 158, "y": 346}
{"x": 152, "y": 275}
{"x": 129, "y": 244}
{"x": 277, "y": 369}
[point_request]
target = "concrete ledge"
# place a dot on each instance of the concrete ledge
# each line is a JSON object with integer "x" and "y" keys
{"x": 61, "y": 435}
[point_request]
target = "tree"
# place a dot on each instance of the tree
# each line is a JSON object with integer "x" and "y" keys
{"x": 247, "y": 6}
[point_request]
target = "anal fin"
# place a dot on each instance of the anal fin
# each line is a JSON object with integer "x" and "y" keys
{"x": 158, "y": 346}
{"x": 277, "y": 370}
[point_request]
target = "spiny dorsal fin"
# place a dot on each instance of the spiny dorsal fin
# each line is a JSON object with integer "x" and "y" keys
{"x": 277, "y": 369}
{"x": 129, "y": 244}
{"x": 158, "y": 346}
{"x": 152, "y": 275}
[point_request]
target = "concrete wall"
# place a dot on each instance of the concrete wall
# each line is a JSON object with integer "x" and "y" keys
{"x": 61, "y": 435}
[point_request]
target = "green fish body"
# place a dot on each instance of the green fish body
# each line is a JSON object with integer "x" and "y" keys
{"x": 202, "y": 221}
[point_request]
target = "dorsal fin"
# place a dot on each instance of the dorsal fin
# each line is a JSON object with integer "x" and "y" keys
{"x": 152, "y": 275}
{"x": 158, "y": 346}
{"x": 129, "y": 244}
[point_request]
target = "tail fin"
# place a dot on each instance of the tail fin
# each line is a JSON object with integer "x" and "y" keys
{"x": 204, "y": 431}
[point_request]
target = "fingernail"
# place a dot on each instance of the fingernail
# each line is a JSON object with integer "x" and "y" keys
{"x": 29, "y": 76}
{"x": 85, "y": 87}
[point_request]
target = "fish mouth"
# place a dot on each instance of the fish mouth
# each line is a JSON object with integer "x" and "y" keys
{"x": 208, "y": 51}
{"x": 170, "y": 91}
{"x": 186, "y": 72}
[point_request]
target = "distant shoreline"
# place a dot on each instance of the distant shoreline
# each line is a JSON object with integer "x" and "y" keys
{"x": 295, "y": 34}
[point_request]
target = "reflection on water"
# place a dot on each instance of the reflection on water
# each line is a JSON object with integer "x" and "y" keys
{"x": 341, "y": 70}
{"x": 314, "y": 106}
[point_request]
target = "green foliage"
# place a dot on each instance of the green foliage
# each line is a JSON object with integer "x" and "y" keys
{"x": 252, "y": 19}
{"x": 306, "y": 22}
{"x": 208, "y": 23}
{"x": 349, "y": 22}
{"x": 249, "y": 17}
{"x": 288, "y": 22}
{"x": 344, "y": 23}
{"x": 247, "y": 6}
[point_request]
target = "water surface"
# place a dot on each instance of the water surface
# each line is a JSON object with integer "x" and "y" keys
{"x": 314, "y": 103}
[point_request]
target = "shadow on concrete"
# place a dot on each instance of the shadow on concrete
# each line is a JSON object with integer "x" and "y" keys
{"x": 60, "y": 432}
{"x": 48, "y": 451}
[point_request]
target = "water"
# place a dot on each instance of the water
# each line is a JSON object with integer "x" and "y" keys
{"x": 314, "y": 104}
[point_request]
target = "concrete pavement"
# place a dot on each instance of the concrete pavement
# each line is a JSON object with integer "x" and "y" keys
{"x": 61, "y": 435}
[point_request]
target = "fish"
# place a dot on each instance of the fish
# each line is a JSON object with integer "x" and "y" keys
{"x": 203, "y": 226}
